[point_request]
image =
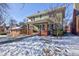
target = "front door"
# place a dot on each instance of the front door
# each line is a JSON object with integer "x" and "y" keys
{"x": 50, "y": 29}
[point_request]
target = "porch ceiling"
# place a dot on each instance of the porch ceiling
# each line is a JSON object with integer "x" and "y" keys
{"x": 41, "y": 21}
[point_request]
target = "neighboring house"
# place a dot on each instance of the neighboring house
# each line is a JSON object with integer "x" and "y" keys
{"x": 75, "y": 22}
{"x": 24, "y": 29}
{"x": 7, "y": 29}
{"x": 15, "y": 31}
{"x": 44, "y": 22}
{"x": 2, "y": 29}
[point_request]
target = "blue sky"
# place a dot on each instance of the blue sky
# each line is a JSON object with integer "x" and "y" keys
{"x": 18, "y": 12}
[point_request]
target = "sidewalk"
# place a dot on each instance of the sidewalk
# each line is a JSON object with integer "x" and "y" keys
{"x": 3, "y": 36}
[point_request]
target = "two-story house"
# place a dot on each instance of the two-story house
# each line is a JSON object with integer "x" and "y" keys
{"x": 43, "y": 22}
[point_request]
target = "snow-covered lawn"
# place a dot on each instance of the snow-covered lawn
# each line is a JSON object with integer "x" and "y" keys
{"x": 41, "y": 46}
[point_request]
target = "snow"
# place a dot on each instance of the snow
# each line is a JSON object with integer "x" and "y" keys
{"x": 42, "y": 46}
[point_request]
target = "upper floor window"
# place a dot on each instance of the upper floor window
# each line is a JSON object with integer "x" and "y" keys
{"x": 32, "y": 19}
{"x": 40, "y": 16}
{"x": 77, "y": 12}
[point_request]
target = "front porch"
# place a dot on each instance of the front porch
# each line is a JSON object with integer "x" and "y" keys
{"x": 41, "y": 27}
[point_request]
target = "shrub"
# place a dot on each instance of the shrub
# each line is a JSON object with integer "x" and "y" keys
{"x": 58, "y": 32}
{"x": 3, "y": 33}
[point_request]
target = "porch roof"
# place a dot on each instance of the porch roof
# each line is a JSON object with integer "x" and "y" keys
{"x": 40, "y": 21}
{"x": 16, "y": 28}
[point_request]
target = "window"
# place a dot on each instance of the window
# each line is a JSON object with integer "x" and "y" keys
{"x": 50, "y": 15}
{"x": 33, "y": 19}
{"x": 77, "y": 12}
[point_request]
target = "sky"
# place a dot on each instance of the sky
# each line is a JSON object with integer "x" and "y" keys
{"x": 19, "y": 11}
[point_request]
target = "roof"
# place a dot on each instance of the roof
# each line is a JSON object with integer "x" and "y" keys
{"x": 46, "y": 11}
{"x": 16, "y": 28}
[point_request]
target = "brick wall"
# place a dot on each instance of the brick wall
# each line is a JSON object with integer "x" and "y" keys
{"x": 15, "y": 33}
{"x": 77, "y": 24}
{"x": 74, "y": 22}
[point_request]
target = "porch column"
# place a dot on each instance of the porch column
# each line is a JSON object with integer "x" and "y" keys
{"x": 40, "y": 29}
{"x": 28, "y": 29}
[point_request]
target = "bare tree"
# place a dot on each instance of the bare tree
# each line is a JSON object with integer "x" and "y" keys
{"x": 3, "y": 12}
{"x": 58, "y": 24}
{"x": 67, "y": 15}
{"x": 1, "y": 20}
{"x": 12, "y": 22}
{"x": 3, "y": 8}
{"x": 23, "y": 5}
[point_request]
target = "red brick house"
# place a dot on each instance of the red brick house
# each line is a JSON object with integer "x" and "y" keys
{"x": 75, "y": 22}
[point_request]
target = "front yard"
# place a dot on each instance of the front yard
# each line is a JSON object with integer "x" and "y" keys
{"x": 42, "y": 46}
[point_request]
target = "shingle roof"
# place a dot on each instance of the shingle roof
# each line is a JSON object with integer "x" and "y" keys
{"x": 46, "y": 11}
